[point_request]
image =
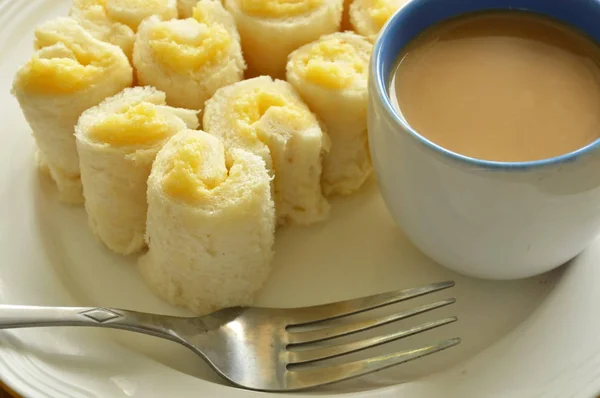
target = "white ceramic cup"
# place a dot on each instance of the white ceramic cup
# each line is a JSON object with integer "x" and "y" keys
{"x": 494, "y": 220}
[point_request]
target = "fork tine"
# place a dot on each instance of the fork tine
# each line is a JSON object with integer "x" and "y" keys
{"x": 297, "y": 357}
{"x": 317, "y": 376}
{"x": 309, "y": 315}
{"x": 313, "y": 336}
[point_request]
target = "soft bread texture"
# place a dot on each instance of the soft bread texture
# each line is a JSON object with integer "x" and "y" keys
{"x": 190, "y": 59}
{"x": 185, "y": 8}
{"x": 116, "y": 21}
{"x": 367, "y": 17}
{"x": 331, "y": 76}
{"x": 70, "y": 72}
{"x": 271, "y": 30}
{"x": 210, "y": 226}
{"x": 117, "y": 142}
{"x": 268, "y": 118}
{"x": 93, "y": 16}
{"x": 133, "y": 12}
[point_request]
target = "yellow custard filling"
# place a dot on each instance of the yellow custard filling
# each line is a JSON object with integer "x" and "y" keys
{"x": 334, "y": 64}
{"x": 249, "y": 108}
{"x": 279, "y": 8}
{"x": 189, "y": 45}
{"x": 148, "y": 5}
{"x": 79, "y": 49}
{"x": 196, "y": 166}
{"x": 82, "y": 4}
{"x": 57, "y": 75}
{"x": 128, "y": 12}
{"x": 137, "y": 125}
{"x": 63, "y": 64}
{"x": 92, "y": 10}
{"x": 131, "y": 12}
{"x": 380, "y": 11}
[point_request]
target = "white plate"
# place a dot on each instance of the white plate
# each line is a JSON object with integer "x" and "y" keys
{"x": 530, "y": 338}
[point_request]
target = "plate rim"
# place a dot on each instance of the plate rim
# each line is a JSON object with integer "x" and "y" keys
{"x": 13, "y": 356}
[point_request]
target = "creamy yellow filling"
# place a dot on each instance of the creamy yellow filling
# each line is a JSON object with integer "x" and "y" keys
{"x": 134, "y": 4}
{"x": 71, "y": 65}
{"x": 380, "y": 11}
{"x": 200, "y": 14}
{"x": 82, "y": 4}
{"x": 189, "y": 49}
{"x": 279, "y": 8}
{"x": 334, "y": 64}
{"x": 78, "y": 47}
{"x": 128, "y": 12}
{"x": 195, "y": 168}
{"x": 92, "y": 10}
{"x": 57, "y": 75}
{"x": 137, "y": 125}
{"x": 131, "y": 12}
{"x": 249, "y": 108}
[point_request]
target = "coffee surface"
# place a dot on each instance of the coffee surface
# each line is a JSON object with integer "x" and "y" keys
{"x": 503, "y": 86}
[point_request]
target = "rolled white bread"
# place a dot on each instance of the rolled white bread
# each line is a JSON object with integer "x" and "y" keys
{"x": 271, "y": 30}
{"x": 70, "y": 72}
{"x": 211, "y": 224}
{"x": 116, "y": 21}
{"x": 93, "y": 16}
{"x": 117, "y": 142}
{"x": 189, "y": 59}
{"x": 367, "y": 17}
{"x": 331, "y": 76}
{"x": 268, "y": 118}
{"x": 133, "y": 12}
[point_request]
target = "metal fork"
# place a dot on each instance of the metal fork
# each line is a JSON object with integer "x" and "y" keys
{"x": 259, "y": 348}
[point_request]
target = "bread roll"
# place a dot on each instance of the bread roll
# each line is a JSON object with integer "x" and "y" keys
{"x": 189, "y": 59}
{"x": 331, "y": 76}
{"x": 367, "y": 17}
{"x": 116, "y": 21}
{"x": 93, "y": 16}
{"x": 133, "y": 12}
{"x": 210, "y": 224}
{"x": 70, "y": 72}
{"x": 268, "y": 118}
{"x": 117, "y": 142}
{"x": 270, "y": 30}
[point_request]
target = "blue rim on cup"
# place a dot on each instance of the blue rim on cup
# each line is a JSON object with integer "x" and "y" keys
{"x": 417, "y": 15}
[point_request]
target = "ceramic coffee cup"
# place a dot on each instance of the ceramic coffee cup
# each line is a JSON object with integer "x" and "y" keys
{"x": 494, "y": 220}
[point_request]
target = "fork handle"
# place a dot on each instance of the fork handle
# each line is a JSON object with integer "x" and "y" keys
{"x": 22, "y": 316}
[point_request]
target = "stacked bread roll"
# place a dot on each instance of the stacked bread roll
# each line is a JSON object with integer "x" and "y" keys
{"x": 205, "y": 203}
{"x": 70, "y": 72}
{"x": 271, "y": 30}
{"x": 331, "y": 76}
{"x": 133, "y": 12}
{"x": 117, "y": 142}
{"x": 116, "y": 21}
{"x": 211, "y": 222}
{"x": 268, "y": 118}
{"x": 367, "y": 17}
{"x": 189, "y": 59}
{"x": 93, "y": 16}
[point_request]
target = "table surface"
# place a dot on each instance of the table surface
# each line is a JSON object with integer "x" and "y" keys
{"x": 5, "y": 392}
